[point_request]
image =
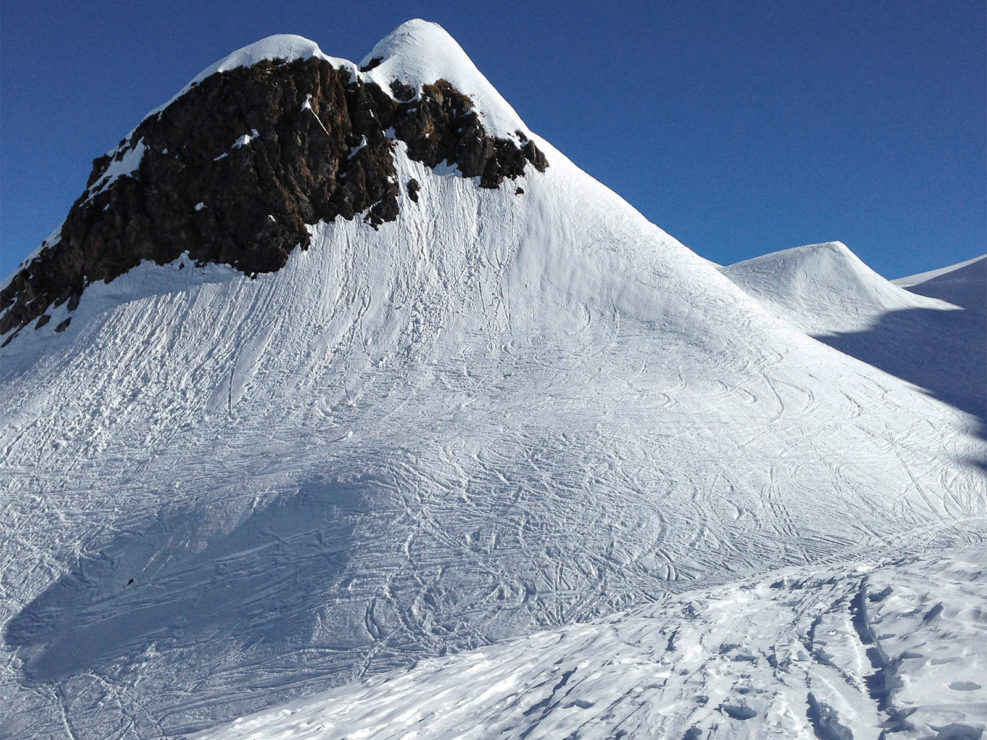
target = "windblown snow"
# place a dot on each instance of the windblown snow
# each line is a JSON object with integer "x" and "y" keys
{"x": 500, "y": 414}
{"x": 824, "y": 288}
{"x": 836, "y": 651}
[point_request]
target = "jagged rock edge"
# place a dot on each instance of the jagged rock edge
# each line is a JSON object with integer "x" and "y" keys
{"x": 171, "y": 201}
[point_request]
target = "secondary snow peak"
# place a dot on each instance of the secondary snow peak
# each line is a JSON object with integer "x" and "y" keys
{"x": 420, "y": 52}
{"x": 823, "y": 288}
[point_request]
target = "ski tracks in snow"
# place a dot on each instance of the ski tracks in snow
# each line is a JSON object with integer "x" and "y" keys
{"x": 851, "y": 649}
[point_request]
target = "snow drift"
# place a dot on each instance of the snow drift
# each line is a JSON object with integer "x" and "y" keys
{"x": 824, "y": 288}
{"x": 837, "y": 651}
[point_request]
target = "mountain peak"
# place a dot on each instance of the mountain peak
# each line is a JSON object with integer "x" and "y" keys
{"x": 419, "y": 53}
{"x": 264, "y": 143}
{"x": 284, "y": 46}
{"x": 414, "y": 40}
{"x": 416, "y": 53}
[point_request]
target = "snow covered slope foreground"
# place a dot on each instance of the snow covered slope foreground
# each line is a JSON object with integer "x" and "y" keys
{"x": 930, "y": 329}
{"x": 844, "y": 650}
{"x": 508, "y": 409}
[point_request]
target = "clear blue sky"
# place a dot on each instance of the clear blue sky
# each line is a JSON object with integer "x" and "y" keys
{"x": 739, "y": 127}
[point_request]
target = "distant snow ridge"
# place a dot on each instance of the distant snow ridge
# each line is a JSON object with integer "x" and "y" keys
{"x": 823, "y": 288}
{"x": 502, "y": 410}
{"x": 964, "y": 284}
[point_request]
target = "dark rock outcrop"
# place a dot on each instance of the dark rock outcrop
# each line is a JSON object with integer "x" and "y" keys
{"x": 234, "y": 169}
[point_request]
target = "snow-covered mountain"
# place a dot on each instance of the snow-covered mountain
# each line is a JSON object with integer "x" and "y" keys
{"x": 824, "y": 289}
{"x": 332, "y": 368}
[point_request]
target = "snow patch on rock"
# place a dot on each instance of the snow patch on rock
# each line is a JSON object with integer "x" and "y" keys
{"x": 126, "y": 164}
{"x": 419, "y": 53}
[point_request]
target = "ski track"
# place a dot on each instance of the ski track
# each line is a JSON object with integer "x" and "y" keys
{"x": 854, "y": 648}
{"x": 499, "y": 414}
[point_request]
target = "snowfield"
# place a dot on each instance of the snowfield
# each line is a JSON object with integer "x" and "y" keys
{"x": 840, "y": 651}
{"x": 501, "y": 414}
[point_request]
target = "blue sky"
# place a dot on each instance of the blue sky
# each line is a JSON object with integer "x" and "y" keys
{"x": 738, "y": 127}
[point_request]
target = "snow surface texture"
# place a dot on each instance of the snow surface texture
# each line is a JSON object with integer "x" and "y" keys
{"x": 499, "y": 414}
{"x": 934, "y": 334}
{"x": 840, "y": 651}
{"x": 824, "y": 288}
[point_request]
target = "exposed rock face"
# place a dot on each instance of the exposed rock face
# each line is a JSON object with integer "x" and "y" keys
{"x": 234, "y": 169}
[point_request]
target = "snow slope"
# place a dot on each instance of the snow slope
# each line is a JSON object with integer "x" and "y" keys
{"x": 499, "y": 414}
{"x": 932, "y": 334}
{"x": 845, "y": 650}
{"x": 823, "y": 288}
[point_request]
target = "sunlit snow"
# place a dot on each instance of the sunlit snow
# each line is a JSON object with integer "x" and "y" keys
{"x": 500, "y": 417}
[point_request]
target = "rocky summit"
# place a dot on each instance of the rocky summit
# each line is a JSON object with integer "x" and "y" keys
{"x": 232, "y": 171}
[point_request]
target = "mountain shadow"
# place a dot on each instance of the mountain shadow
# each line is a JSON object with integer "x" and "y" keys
{"x": 944, "y": 352}
{"x": 268, "y": 575}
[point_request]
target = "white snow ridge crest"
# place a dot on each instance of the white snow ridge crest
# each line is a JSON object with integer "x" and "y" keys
{"x": 477, "y": 428}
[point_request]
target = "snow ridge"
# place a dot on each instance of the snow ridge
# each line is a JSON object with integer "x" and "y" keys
{"x": 823, "y": 288}
{"x": 962, "y": 284}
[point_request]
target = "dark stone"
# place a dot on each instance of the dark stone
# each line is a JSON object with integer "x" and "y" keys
{"x": 413, "y": 188}
{"x": 402, "y": 92}
{"x": 327, "y": 159}
{"x": 737, "y": 711}
{"x": 63, "y": 325}
{"x": 375, "y": 62}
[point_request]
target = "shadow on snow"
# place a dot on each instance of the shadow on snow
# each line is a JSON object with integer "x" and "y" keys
{"x": 944, "y": 352}
{"x": 269, "y": 575}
